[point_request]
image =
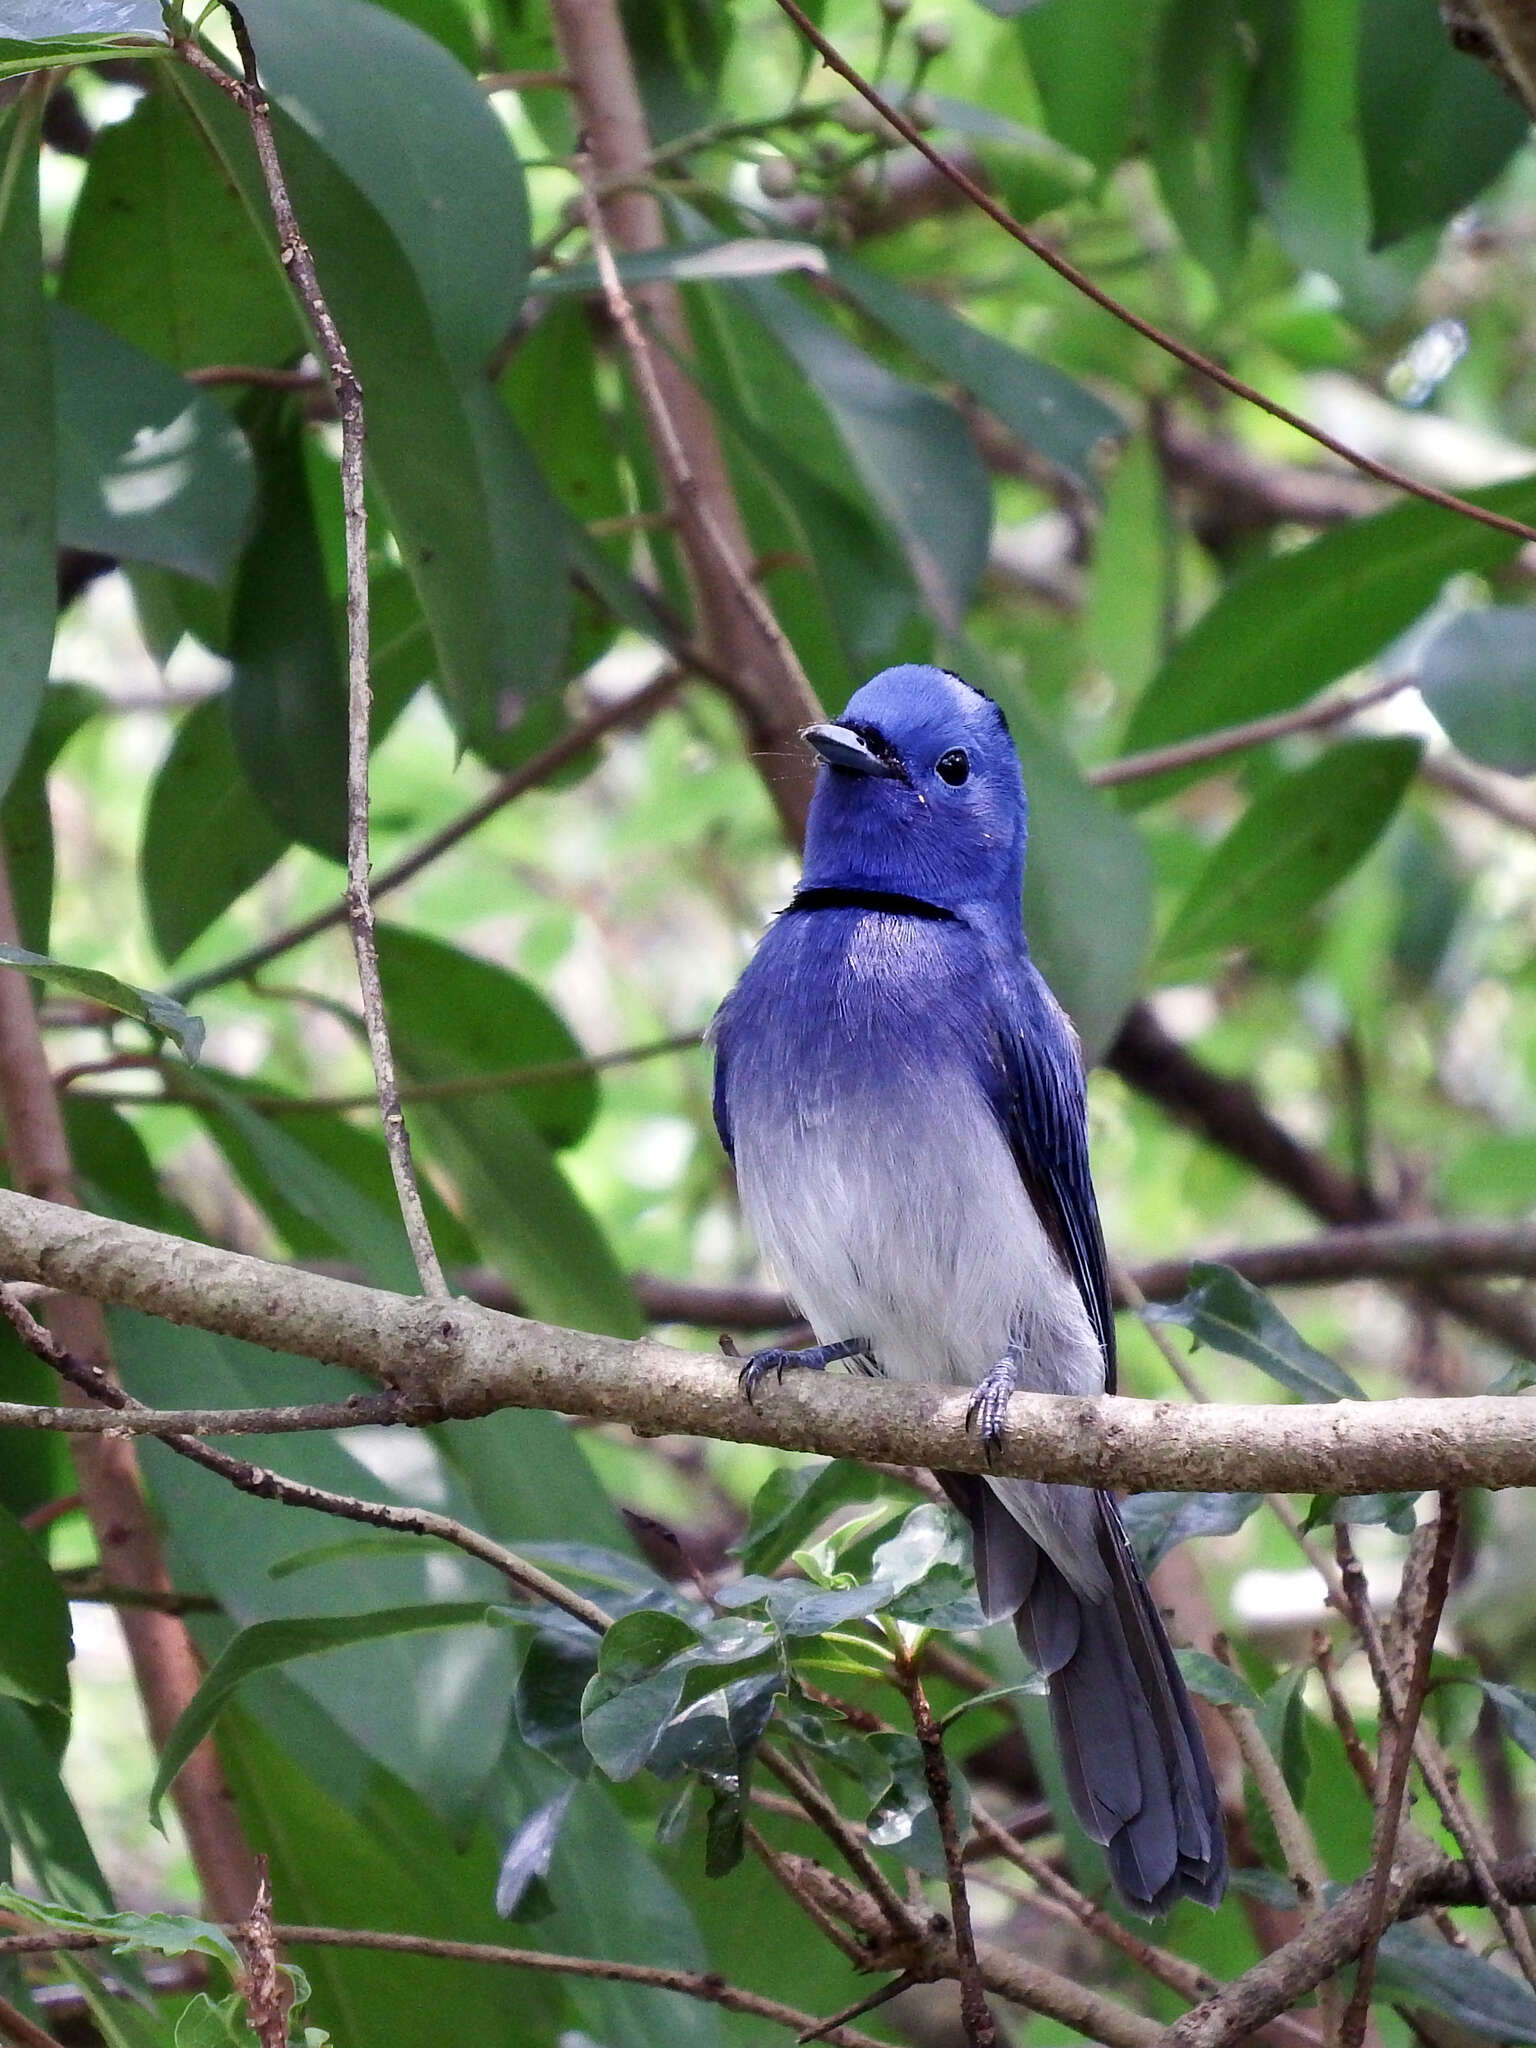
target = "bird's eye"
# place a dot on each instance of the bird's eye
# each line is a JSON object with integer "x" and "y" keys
{"x": 953, "y": 767}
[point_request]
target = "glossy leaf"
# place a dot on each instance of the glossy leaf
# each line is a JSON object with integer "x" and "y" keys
{"x": 1435, "y": 127}
{"x": 157, "y": 202}
{"x": 35, "y": 1638}
{"x": 70, "y": 19}
{"x": 524, "y": 1867}
{"x": 1297, "y": 840}
{"x": 1215, "y": 1681}
{"x": 1088, "y": 64}
{"x": 1284, "y": 630}
{"x": 143, "y": 1005}
{"x": 793, "y": 1502}
{"x": 1478, "y": 676}
{"x": 27, "y": 505}
{"x": 902, "y": 1819}
{"x": 207, "y": 839}
{"x": 1053, "y": 414}
{"x": 287, "y": 703}
{"x": 1227, "y": 1312}
{"x": 1421, "y": 1969}
{"x": 1157, "y": 1522}
{"x": 150, "y": 468}
{"x": 278, "y": 1642}
{"x": 910, "y": 450}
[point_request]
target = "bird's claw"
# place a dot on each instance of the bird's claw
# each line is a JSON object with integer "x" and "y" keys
{"x": 988, "y": 1412}
{"x": 756, "y": 1368}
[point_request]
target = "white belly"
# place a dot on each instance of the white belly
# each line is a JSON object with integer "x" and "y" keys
{"x": 911, "y": 1228}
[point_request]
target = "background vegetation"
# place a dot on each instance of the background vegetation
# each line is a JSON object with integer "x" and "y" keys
{"x": 1301, "y": 959}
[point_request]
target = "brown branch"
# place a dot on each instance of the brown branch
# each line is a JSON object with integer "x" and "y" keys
{"x": 261, "y": 1987}
{"x": 532, "y": 774}
{"x": 1227, "y": 1113}
{"x": 1398, "y": 1729}
{"x": 762, "y": 675}
{"x": 298, "y": 261}
{"x": 1505, "y": 797}
{"x": 126, "y": 1417}
{"x": 165, "y": 1666}
{"x": 455, "y": 1359}
{"x": 25, "y": 2033}
{"x": 977, "y": 2021}
{"x": 1170, "y": 344}
{"x": 256, "y": 377}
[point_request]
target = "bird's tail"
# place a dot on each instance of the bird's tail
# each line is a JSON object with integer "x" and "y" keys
{"x": 1131, "y": 1748}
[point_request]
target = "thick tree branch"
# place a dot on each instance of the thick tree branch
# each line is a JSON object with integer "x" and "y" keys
{"x": 457, "y": 1359}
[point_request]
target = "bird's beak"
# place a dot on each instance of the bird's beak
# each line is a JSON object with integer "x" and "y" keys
{"x": 840, "y": 747}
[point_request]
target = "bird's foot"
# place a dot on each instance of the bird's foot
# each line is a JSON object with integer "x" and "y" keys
{"x": 816, "y": 1358}
{"x": 988, "y": 1412}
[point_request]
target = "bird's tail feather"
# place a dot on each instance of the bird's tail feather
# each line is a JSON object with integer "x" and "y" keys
{"x": 1130, "y": 1746}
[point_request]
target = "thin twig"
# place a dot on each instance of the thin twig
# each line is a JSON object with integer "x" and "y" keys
{"x": 975, "y": 2018}
{"x": 267, "y": 1485}
{"x": 1236, "y": 739}
{"x": 1343, "y": 1720}
{"x": 257, "y": 377}
{"x": 298, "y": 261}
{"x": 532, "y": 774}
{"x": 1170, "y": 344}
{"x": 820, "y": 1809}
{"x": 1398, "y": 1729}
{"x": 25, "y": 2033}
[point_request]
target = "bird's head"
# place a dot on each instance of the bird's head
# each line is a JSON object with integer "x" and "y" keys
{"x": 919, "y": 792}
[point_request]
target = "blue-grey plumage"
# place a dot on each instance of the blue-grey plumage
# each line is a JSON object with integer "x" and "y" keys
{"x": 903, "y": 1100}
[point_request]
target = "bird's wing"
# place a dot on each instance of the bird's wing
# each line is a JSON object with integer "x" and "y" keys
{"x": 1042, "y": 1106}
{"x": 715, "y": 1038}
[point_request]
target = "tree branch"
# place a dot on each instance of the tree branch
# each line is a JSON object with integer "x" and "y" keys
{"x": 457, "y": 1359}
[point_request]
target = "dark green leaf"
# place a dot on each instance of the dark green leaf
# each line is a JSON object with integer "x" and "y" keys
{"x": 35, "y": 1640}
{"x": 1296, "y": 842}
{"x": 1227, "y": 1312}
{"x": 20, "y": 54}
{"x": 157, "y": 1011}
{"x": 441, "y": 174}
{"x": 267, "y": 1643}
{"x": 27, "y": 516}
{"x": 1517, "y": 1709}
{"x": 1215, "y": 1682}
{"x": 636, "y": 1690}
{"x": 1435, "y": 127}
{"x": 556, "y": 1667}
{"x": 1088, "y": 65}
{"x": 1284, "y": 1723}
{"x": 157, "y": 203}
{"x": 1051, "y": 413}
{"x": 287, "y": 703}
{"x": 910, "y": 449}
{"x": 1202, "y": 79}
{"x": 207, "y": 838}
{"x": 678, "y": 49}
{"x": 793, "y": 1502}
{"x": 26, "y": 822}
{"x": 902, "y": 1818}
{"x": 38, "y": 1815}
{"x": 1157, "y": 1522}
{"x": 1478, "y": 676}
{"x": 1286, "y": 628}
{"x": 150, "y": 468}
{"x": 1421, "y": 1969}
{"x": 1394, "y": 1510}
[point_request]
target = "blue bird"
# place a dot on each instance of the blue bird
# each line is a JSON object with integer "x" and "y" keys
{"x": 903, "y": 1102}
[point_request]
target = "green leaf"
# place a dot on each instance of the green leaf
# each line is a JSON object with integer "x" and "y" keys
{"x": 1284, "y": 1723}
{"x": 38, "y": 1816}
{"x": 1088, "y": 64}
{"x": 520, "y": 1881}
{"x": 793, "y": 1502}
{"x": 1227, "y": 1312}
{"x": 902, "y": 1818}
{"x": 202, "y": 2024}
{"x": 1201, "y": 83}
{"x": 1285, "y": 629}
{"x": 636, "y": 1689}
{"x": 150, "y": 468}
{"x": 911, "y": 451}
{"x": 287, "y": 703}
{"x": 1517, "y": 1710}
{"x": 268, "y": 1643}
{"x": 19, "y": 54}
{"x": 26, "y": 821}
{"x": 1478, "y": 676}
{"x": 160, "y": 1934}
{"x": 35, "y": 1639}
{"x": 1215, "y": 1682}
{"x": 1125, "y": 619}
{"x": 1421, "y": 1969}
{"x": 1049, "y": 412}
{"x": 1157, "y": 1522}
{"x": 157, "y": 203}
{"x": 1297, "y": 840}
{"x": 441, "y": 174}
{"x": 1394, "y": 1511}
{"x": 27, "y": 516}
{"x": 67, "y": 20}
{"x": 157, "y": 1011}
{"x": 207, "y": 838}
{"x": 1435, "y": 127}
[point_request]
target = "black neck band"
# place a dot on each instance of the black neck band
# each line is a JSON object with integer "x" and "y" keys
{"x": 844, "y": 896}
